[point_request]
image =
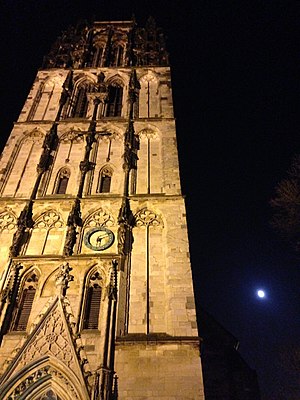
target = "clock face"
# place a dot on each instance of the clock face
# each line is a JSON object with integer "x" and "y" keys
{"x": 98, "y": 239}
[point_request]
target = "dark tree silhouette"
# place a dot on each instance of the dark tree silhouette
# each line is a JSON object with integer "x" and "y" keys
{"x": 286, "y": 205}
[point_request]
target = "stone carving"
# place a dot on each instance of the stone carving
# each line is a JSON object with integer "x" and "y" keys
{"x": 100, "y": 217}
{"x": 68, "y": 385}
{"x": 35, "y": 136}
{"x": 112, "y": 289}
{"x": 51, "y": 339}
{"x": 63, "y": 278}
{"x": 7, "y": 221}
{"x": 66, "y": 93}
{"x": 147, "y": 218}
{"x": 72, "y": 137}
{"x": 30, "y": 380}
{"x": 24, "y": 222}
{"x": 75, "y": 48}
{"x": 86, "y": 166}
{"x": 126, "y": 221}
{"x": 41, "y": 374}
{"x": 49, "y": 219}
{"x": 50, "y": 142}
{"x": 49, "y": 395}
{"x": 56, "y": 336}
{"x": 74, "y": 220}
{"x": 148, "y": 133}
{"x": 134, "y": 87}
{"x": 11, "y": 286}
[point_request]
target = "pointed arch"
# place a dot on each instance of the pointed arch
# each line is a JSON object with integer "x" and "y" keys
{"x": 91, "y": 299}
{"x": 100, "y": 217}
{"x": 8, "y": 224}
{"x": 148, "y": 234}
{"x": 98, "y": 50}
{"x": 79, "y": 102}
{"x": 49, "y": 394}
{"x": 49, "y": 283}
{"x": 41, "y": 376}
{"x": 98, "y": 54}
{"x": 149, "y": 96}
{"x": 115, "y": 97}
{"x": 43, "y": 99}
{"x": 61, "y": 182}
{"x": 149, "y": 174}
{"x": 147, "y": 218}
{"x": 104, "y": 179}
{"x": 24, "y": 300}
{"x": 117, "y": 54}
{"x": 47, "y": 234}
{"x": 21, "y": 171}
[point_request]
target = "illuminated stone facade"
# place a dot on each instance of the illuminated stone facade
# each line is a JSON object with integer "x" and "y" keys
{"x": 96, "y": 289}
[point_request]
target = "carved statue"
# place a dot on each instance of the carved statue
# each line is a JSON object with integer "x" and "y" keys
{"x": 70, "y": 241}
{"x": 63, "y": 278}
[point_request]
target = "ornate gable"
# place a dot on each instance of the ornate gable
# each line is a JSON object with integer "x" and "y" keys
{"x": 51, "y": 351}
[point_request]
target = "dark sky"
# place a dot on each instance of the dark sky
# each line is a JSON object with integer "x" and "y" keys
{"x": 236, "y": 94}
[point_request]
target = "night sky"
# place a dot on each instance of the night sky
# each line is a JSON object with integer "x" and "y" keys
{"x": 236, "y": 94}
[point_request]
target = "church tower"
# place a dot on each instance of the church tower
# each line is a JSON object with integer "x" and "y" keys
{"x": 96, "y": 294}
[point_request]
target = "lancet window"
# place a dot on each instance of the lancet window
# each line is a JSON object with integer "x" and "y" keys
{"x": 23, "y": 168}
{"x": 92, "y": 301}
{"x": 47, "y": 234}
{"x": 104, "y": 182}
{"x": 24, "y": 302}
{"x": 98, "y": 56}
{"x": 117, "y": 56}
{"x": 36, "y": 102}
{"x": 149, "y": 101}
{"x": 80, "y": 102}
{"x": 62, "y": 181}
{"x": 114, "y": 101}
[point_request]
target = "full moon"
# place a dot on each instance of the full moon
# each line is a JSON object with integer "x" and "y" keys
{"x": 261, "y": 294}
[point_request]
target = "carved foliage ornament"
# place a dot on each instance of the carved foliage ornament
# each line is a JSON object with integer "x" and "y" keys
{"x": 148, "y": 133}
{"x": 50, "y": 219}
{"x": 146, "y": 217}
{"x": 35, "y": 136}
{"x": 7, "y": 221}
{"x": 100, "y": 217}
{"x": 73, "y": 137}
{"x": 40, "y": 375}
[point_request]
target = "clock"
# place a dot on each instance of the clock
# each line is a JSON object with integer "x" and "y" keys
{"x": 99, "y": 238}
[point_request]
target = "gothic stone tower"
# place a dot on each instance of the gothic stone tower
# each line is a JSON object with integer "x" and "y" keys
{"x": 96, "y": 289}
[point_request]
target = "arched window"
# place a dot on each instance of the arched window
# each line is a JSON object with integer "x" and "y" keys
{"x": 24, "y": 303}
{"x": 47, "y": 234}
{"x": 117, "y": 56}
{"x": 98, "y": 55}
{"x": 104, "y": 183}
{"x": 92, "y": 302}
{"x": 62, "y": 181}
{"x": 81, "y": 103}
{"x": 114, "y": 101}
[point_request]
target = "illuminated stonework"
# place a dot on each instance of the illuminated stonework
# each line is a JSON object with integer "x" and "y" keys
{"x": 96, "y": 289}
